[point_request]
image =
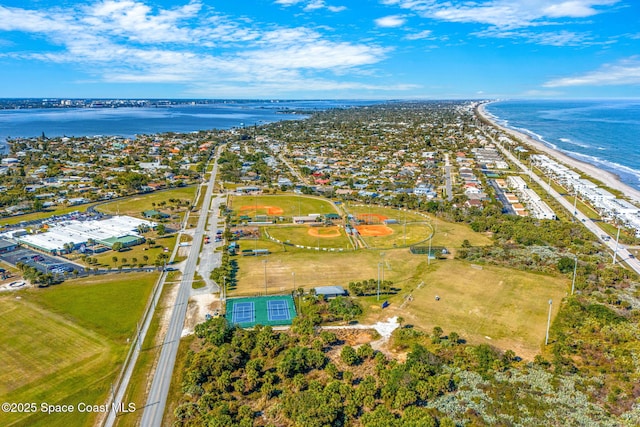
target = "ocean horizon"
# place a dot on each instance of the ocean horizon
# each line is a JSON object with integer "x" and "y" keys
{"x": 604, "y": 133}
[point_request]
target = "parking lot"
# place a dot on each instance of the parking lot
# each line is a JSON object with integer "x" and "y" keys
{"x": 43, "y": 262}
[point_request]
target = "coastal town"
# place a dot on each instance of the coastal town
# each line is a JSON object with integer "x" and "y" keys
{"x": 414, "y": 240}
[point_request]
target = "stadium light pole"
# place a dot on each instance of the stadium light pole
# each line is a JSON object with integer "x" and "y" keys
{"x": 224, "y": 287}
{"x": 293, "y": 273}
{"x": 575, "y": 270}
{"x": 546, "y": 340}
{"x": 378, "y": 282}
{"x": 265, "y": 276}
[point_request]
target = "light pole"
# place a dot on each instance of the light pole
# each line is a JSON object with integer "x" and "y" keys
{"x": 615, "y": 252}
{"x": 293, "y": 273}
{"x": 546, "y": 340}
{"x": 265, "y": 276}
{"x": 378, "y": 281}
{"x": 575, "y": 269}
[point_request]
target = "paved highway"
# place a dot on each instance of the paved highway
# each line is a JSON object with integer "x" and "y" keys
{"x": 157, "y": 399}
{"x": 623, "y": 253}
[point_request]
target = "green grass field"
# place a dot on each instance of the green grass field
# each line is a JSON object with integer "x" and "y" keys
{"x": 313, "y": 268}
{"x": 399, "y": 215}
{"x": 66, "y": 344}
{"x": 291, "y": 205}
{"x": 503, "y": 307}
{"x": 299, "y": 235}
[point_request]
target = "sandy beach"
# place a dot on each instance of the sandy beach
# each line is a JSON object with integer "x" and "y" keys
{"x": 608, "y": 179}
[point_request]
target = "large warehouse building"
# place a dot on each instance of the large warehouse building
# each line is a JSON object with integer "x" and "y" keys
{"x": 74, "y": 235}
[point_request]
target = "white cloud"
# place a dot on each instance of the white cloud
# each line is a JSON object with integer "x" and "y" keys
{"x": 422, "y": 35}
{"x": 129, "y": 41}
{"x": 547, "y": 38}
{"x": 311, "y": 5}
{"x": 391, "y": 21}
{"x": 624, "y": 72}
{"x": 504, "y": 14}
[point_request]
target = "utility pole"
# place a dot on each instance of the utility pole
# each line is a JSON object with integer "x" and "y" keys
{"x": 615, "y": 252}
{"x": 546, "y": 340}
{"x": 575, "y": 269}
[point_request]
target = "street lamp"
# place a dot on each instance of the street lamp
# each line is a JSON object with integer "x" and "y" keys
{"x": 546, "y": 341}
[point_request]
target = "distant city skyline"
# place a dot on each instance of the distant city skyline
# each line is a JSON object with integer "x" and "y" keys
{"x": 320, "y": 49}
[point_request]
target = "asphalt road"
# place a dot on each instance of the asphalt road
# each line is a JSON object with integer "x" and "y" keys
{"x": 623, "y": 253}
{"x": 157, "y": 399}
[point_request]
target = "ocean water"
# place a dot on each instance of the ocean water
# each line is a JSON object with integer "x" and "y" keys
{"x": 128, "y": 122}
{"x": 605, "y": 133}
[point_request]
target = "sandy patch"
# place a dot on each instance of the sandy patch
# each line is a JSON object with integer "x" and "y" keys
{"x": 199, "y": 307}
{"x": 271, "y": 210}
{"x": 373, "y": 230}
{"x": 326, "y": 232}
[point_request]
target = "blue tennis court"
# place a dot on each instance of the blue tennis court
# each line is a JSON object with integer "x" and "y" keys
{"x": 278, "y": 310}
{"x": 273, "y": 310}
{"x": 244, "y": 312}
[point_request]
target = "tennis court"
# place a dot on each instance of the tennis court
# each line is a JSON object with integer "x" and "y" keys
{"x": 274, "y": 310}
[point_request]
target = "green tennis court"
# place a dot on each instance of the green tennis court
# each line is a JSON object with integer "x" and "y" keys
{"x": 275, "y": 310}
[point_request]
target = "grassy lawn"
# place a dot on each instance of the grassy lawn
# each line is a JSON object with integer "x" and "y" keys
{"x": 138, "y": 252}
{"x": 300, "y": 235}
{"x": 399, "y": 215}
{"x": 314, "y": 268}
{"x": 66, "y": 344}
{"x": 499, "y": 306}
{"x": 290, "y": 204}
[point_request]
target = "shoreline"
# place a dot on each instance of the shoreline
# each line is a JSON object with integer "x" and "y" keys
{"x": 607, "y": 178}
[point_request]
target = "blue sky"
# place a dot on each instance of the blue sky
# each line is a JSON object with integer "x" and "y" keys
{"x": 312, "y": 49}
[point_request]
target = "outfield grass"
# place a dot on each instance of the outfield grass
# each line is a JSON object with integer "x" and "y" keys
{"x": 503, "y": 307}
{"x": 403, "y": 235}
{"x": 291, "y": 204}
{"x": 66, "y": 344}
{"x": 299, "y": 235}
{"x": 399, "y": 215}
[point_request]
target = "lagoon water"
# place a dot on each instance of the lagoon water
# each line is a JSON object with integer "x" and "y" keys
{"x": 128, "y": 122}
{"x": 605, "y": 133}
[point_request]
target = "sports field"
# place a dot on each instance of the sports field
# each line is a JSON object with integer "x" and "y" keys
{"x": 303, "y": 235}
{"x": 319, "y": 268}
{"x": 285, "y": 205}
{"x": 66, "y": 344}
{"x": 503, "y": 307}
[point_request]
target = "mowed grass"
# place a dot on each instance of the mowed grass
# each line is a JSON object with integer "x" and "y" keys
{"x": 399, "y": 215}
{"x": 320, "y": 268}
{"x": 291, "y": 204}
{"x": 66, "y": 344}
{"x": 299, "y": 235}
{"x": 403, "y": 235}
{"x": 503, "y": 307}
